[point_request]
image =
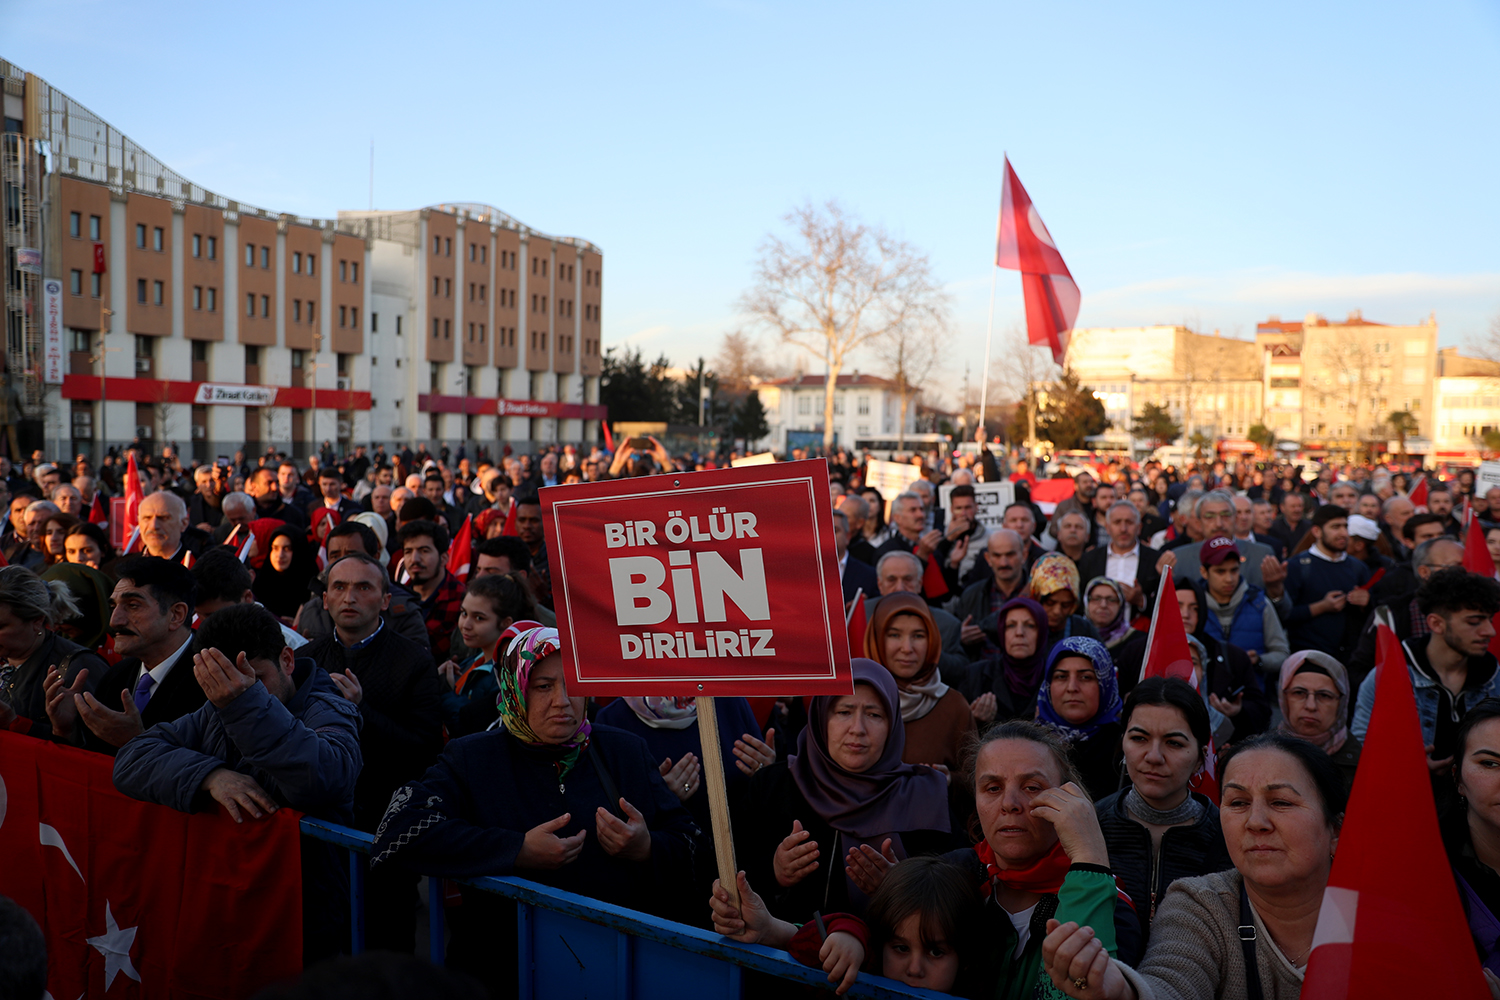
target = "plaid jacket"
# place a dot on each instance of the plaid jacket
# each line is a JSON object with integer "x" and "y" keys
{"x": 441, "y": 613}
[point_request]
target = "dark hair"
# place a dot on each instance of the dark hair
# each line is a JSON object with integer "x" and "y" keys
{"x": 23, "y": 953}
{"x": 242, "y": 628}
{"x": 431, "y": 475}
{"x": 1030, "y": 732}
{"x": 94, "y": 532}
{"x": 1486, "y": 710}
{"x": 1456, "y": 589}
{"x": 1171, "y": 692}
{"x": 367, "y": 537}
{"x": 169, "y": 582}
{"x": 962, "y": 490}
{"x": 417, "y": 508}
{"x": 1329, "y": 512}
{"x": 1438, "y": 487}
{"x": 221, "y": 576}
{"x": 1409, "y": 529}
{"x": 945, "y": 898}
{"x": 385, "y": 577}
{"x": 1326, "y": 775}
{"x": 330, "y": 472}
{"x": 503, "y": 592}
{"x": 423, "y": 528}
{"x": 528, "y": 497}
{"x": 508, "y": 547}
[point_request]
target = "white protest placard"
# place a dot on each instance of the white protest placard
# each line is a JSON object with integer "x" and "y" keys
{"x": 991, "y": 499}
{"x": 763, "y": 458}
{"x": 1488, "y": 476}
{"x": 890, "y": 478}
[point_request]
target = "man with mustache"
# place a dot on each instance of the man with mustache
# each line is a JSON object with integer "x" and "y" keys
{"x": 151, "y": 615}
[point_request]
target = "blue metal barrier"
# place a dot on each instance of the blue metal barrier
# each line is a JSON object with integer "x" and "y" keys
{"x": 571, "y": 946}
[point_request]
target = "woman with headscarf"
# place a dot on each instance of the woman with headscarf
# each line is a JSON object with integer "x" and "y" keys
{"x": 31, "y": 650}
{"x": 1080, "y": 700}
{"x": 1004, "y": 687}
{"x": 903, "y": 637}
{"x": 281, "y": 583}
{"x": 819, "y": 828}
{"x": 1314, "y": 695}
{"x": 1054, "y": 585}
{"x": 1107, "y": 610}
{"x": 544, "y": 796}
{"x": 90, "y": 590}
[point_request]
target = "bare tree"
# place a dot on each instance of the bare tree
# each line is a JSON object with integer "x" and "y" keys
{"x": 909, "y": 353}
{"x": 1354, "y": 386}
{"x": 836, "y": 285}
{"x": 739, "y": 360}
{"x": 1022, "y": 371}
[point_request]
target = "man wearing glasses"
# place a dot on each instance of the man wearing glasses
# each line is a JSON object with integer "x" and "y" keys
{"x": 1215, "y": 511}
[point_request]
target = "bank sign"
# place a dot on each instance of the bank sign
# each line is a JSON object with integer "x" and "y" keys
{"x": 708, "y": 583}
{"x": 235, "y": 395}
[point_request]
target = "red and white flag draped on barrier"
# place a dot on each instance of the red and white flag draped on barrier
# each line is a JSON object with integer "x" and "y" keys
{"x": 1380, "y": 936}
{"x": 460, "y": 549}
{"x": 1169, "y": 655}
{"x": 130, "y": 527}
{"x": 1023, "y": 244}
{"x": 138, "y": 900}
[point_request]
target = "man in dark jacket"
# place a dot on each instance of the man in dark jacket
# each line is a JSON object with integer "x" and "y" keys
{"x": 263, "y": 488}
{"x": 424, "y": 555}
{"x": 152, "y": 624}
{"x": 274, "y": 732}
{"x": 393, "y": 681}
{"x": 1407, "y": 619}
{"x": 331, "y": 488}
{"x": 1323, "y": 604}
{"x": 1004, "y": 554}
{"x": 1291, "y": 525}
{"x": 313, "y": 620}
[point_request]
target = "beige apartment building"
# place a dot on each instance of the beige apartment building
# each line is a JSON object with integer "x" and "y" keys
{"x": 141, "y": 305}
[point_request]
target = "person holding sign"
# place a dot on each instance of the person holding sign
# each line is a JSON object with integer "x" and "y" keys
{"x": 547, "y": 797}
{"x": 903, "y": 637}
{"x": 822, "y": 827}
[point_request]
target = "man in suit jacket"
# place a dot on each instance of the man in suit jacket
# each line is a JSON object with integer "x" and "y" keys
{"x": 331, "y": 486}
{"x": 1215, "y": 511}
{"x": 1125, "y": 559}
{"x": 152, "y": 625}
{"x": 855, "y": 575}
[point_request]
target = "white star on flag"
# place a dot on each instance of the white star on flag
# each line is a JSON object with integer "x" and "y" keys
{"x": 114, "y": 944}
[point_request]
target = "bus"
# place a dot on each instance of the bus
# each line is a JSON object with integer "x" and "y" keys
{"x": 889, "y": 449}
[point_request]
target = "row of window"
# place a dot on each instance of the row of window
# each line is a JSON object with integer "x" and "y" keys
{"x": 312, "y": 263}
{"x": 807, "y": 403}
{"x": 75, "y": 283}
{"x": 211, "y": 242}
{"x": 481, "y": 250}
{"x": 158, "y": 237}
{"x": 265, "y": 256}
{"x": 349, "y": 271}
{"x": 75, "y": 226}
{"x": 211, "y": 298}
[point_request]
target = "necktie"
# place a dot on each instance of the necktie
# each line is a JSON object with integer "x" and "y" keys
{"x": 143, "y": 692}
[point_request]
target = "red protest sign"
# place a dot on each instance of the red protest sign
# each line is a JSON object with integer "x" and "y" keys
{"x": 704, "y": 583}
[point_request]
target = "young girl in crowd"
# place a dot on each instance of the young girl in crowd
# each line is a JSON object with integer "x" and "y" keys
{"x": 490, "y": 608}
{"x": 919, "y": 929}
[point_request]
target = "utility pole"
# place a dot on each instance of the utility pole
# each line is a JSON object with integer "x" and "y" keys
{"x": 99, "y": 359}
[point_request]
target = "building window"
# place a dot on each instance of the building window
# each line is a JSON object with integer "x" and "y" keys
{"x": 471, "y": 291}
{"x": 473, "y": 251}
{"x": 343, "y": 270}
{"x": 157, "y": 290}
{"x": 447, "y": 288}
{"x": 354, "y": 271}
{"x": 481, "y": 293}
{"x": 200, "y": 352}
{"x": 312, "y": 311}
{"x": 197, "y": 296}
{"x": 265, "y": 306}
{"x": 213, "y": 300}
{"x": 374, "y": 322}
{"x": 265, "y": 257}
{"x": 312, "y": 265}
{"x": 297, "y": 263}
{"x": 252, "y": 354}
{"x": 447, "y": 329}
{"x": 299, "y": 359}
{"x": 437, "y": 245}
{"x": 296, "y": 310}
{"x": 484, "y": 253}
{"x": 250, "y": 305}
{"x": 343, "y": 316}
{"x": 447, "y": 247}
{"x": 354, "y": 316}
{"x": 398, "y": 325}
{"x": 249, "y": 254}
{"x": 75, "y": 225}
{"x": 140, "y": 236}
{"x": 437, "y": 328}
{"x": 75, "y": 282}
{"x": 158, "y": 239}
{"x": 94, "y": 227}
{"x": 481, "y": 333}
{"x": 862, "y": 406}
{"x": 804, "y": 404}
{"x": 213, "y": 248}
{"x": 96, "y": 283}
{"x": 197, "y": 245}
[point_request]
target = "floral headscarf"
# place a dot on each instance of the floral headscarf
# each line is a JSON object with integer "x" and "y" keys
{"x": 1109, "y": 690}
{"x": 1053, "y": 572}
{"x": 664, "y": 713}
{"x": 525, "y": 651}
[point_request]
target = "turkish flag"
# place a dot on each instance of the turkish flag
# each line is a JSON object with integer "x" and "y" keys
{"x": 855, "y": 622}
{"x": 934, "y": 587}
{"x": 99, "y": 258}
{"x": 129, "y": 528}
{"x": 1169, "y": 655}
{"x": 1418, "y": 495}
{"x": 508, "y": 530}
{"x": 1024, "y": 244}
{"x": 459, "y": 551}
{"x": 1477, "y": 559}
{"x": 138, "y": 900}
{"x": 1379, "y": 935}
{"x": 97, "y": 514}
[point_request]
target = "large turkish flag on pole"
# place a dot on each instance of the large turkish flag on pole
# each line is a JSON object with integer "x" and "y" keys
{"x": 1024, "y": 244}
{"x": 1380, "y": 933}
{"x": 139, "y": 900}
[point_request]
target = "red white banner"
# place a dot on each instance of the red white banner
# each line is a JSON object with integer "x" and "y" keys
{"x": 1024, "y": 244}
{"x": 707, "y": 583}
{"x": 138, "y": 900}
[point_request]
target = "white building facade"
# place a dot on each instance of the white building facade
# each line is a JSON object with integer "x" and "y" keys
{"x": 865, "y": 408}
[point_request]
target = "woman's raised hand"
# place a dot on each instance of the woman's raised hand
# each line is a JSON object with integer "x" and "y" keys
{"x": 750, "y": 922}
{"x": 1080, "y": 966}
{"x": 682, "y": 777}
{"x": 983, "y": 708}
{"x": 544, "y": 849}
{"x": 796, "y": 857}
{"x": 752, "y": 754}
{"x": 867, "y": 867}
{"x": 1072, "y": 815}
{"x": 629, "y": 838}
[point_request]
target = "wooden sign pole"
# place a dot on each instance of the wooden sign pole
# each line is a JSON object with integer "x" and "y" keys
{"x": 718, "y": 798}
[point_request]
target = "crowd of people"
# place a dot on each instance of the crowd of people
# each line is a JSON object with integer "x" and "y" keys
{"x": 1004, "y": 806}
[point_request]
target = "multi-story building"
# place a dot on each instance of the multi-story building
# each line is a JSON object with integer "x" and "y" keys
{"x": 1466, "y": 407}
{"x": 865, "y": 408}
{"x": 1210, "y": 384}
{"x": 140, "y": 305}
{"x": 1343, "y": 380}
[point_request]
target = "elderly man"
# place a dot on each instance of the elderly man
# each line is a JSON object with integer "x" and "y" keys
{"x": 494, "y": 492}
{"x": 1124, "y": 559}
{"x": 238, "y": 510}
{"x": 1186, "y": 529}
{"x": 1005, "y": 559}
{"x": 1215, "y": 513}
{"x": 857, "y": 509}
{"x": 1021, "y": 518}
{"x": 69, "y": 500}
{"x": 86, "y": 486}
{"x": 29, "y": 549}
{"x": 1344, "y": 495}
{"x": 911, "y": 534}
{"x": 165, "y": 532}
{"x": 1394, "y": 514}
{"x": 1256, "y": 525}
{"x": 1084, "y": 488}
{"x": 899, "y": 572}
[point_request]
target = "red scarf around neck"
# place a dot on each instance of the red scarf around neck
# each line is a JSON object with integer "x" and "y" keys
{"x": 1045, "y": 875}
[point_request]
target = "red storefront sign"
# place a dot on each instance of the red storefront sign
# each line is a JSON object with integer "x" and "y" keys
{"x": 483, "y": 406}
{"x": 704, "y": 583}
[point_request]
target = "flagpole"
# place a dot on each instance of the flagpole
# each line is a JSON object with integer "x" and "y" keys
{"x": 989, "y": 330}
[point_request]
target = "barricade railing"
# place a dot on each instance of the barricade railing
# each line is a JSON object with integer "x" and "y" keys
{"x": 571, "y": 945}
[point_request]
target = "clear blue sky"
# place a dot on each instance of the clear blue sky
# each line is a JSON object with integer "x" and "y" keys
{"x": 1195, "y": 162}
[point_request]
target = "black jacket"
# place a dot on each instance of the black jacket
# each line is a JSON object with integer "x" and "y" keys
{"x": 176, "y": 696}
{"x": 401, "y": 710}
{"x": 1094, "y": 562}
{"x": 1186, "y": 851}
{"x": 25, "y": 689}
{"x": 859, "y": 576}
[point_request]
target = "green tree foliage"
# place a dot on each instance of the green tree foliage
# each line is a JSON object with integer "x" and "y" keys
{"x": 635, "y": 390}
{"x": 1156, "y": 425}
{"x": 1070, "y": 413}
{"x": 1403, "y": 425}
{"x": 748, "y": 422}
{"x": 1262, "y": 436}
